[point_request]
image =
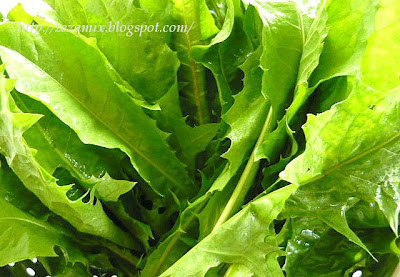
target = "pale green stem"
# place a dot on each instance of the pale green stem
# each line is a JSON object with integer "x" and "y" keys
{"x": 247, "y": 178}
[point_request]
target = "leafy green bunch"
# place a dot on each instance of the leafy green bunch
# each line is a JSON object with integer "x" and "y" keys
{"x": 261, "y": 141}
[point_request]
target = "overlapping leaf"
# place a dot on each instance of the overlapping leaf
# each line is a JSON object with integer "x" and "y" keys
{"x": 86, "y": 217}
{"x": 84, "y": 87}
{"x": 57, "y": 146}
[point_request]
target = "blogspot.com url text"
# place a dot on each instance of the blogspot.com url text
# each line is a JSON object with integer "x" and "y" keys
{"x": 111, "y": 27}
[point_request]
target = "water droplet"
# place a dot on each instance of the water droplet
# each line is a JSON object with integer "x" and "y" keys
{"x": 30, "y": 271}
{"x": 309, "y": 235}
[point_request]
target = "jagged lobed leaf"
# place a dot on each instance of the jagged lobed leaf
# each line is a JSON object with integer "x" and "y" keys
{"x": 74, "y": 68}
{"x": 153, "y": 73}
{"x": 86, "y": 217}
{"x": 57, "y": 146}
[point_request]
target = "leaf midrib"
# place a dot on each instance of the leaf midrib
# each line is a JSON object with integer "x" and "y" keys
{"x": 351, "y": 160}
{"x": 12, "y": 218}
{"x": 195, "y": 75}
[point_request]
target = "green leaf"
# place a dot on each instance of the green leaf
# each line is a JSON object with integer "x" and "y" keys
{"x": 329, "y": 93}
{"x": 286, "y": 36}
{"x": 24, "y": 237}
{"x": 58, "y": 146}
{"x": 364, "y": 168}
{"x": 251, "y": 242}
{"x": 196, "y": 15}
{"x": 108, "y": 117}
{"x": 154, "y": 6}
{"x": 13, "y": 191}
{"x": 379, "y": 66}
{"x": 243, "y": 134}
{"x": 227, "y": 51}
{"x": 322, "y": 46}
{"x": 315, "y": 249}
{"x": 350, "y": 23}
{"x": 277, "y": 28}
{"x": 360, "y": 147}
{"x": 23, "y": 219}
{"x": 243, "y": 137}
{"x": 166, "y": 135}
{"x": 153, "y": 74}
{"x": 238, "y": 270}
{"x": 86, "y": 217}
{"x": 74, "y": 270}
{"x": 19, "y": 14}
{"x": 173, "y": 246}
{"x": 143, "y": 58}
{"x": 312, "y": 22}
{"x": 324, "y": 32}
{"x": 15, "y": 10}
{"x": 244, "y": 131}
{"x": 191, "y": 141}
